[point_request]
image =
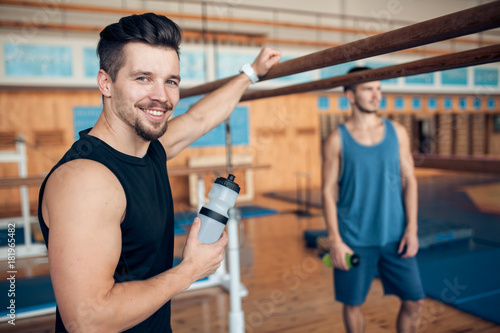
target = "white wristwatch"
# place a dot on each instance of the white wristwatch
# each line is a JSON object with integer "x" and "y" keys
{"x": 247, "y": 69}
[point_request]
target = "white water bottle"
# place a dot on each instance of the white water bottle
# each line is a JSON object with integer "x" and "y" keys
{"x": 214, "y": 215}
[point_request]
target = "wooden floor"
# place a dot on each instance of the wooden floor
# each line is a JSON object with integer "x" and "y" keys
{"x": 289, "y": 290}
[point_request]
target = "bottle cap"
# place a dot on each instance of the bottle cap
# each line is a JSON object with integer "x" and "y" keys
{"x": 228, "y": 183}
{"x": 354, "y": 260}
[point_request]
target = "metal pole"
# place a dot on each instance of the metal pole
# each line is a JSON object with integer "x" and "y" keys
{"x": 228, "y": 147}
{"x": 25, "y": 201}
{"x": 236, "y": 315}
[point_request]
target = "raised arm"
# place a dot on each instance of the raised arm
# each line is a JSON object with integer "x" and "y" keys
{"x": 329, "y": 191}
{"x": 83, "y": 205}
{"x": 214, "y": 108}
{"x": 410, "y": 194}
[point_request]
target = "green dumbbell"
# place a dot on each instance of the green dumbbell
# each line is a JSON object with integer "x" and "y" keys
{"x": 352, "y": 260}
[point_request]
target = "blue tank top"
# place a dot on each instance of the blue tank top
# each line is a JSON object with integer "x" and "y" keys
{"x": 370, "y": 205}
{"x": 148, "y": 226}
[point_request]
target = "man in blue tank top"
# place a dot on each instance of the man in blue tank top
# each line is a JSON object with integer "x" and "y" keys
{"x": 106, "y": 208}
{"x": 369, "y": 196}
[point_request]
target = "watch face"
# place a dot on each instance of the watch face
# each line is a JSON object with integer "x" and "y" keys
{"x": 248, "y": 70}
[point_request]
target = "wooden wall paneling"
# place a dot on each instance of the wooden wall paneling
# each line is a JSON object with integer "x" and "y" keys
{"x": 470, "y": 132}
{"x": 304, "y": 149}
{"x": 494, "y": 141}
{"x": 453, "y": 134}
{"x": 488, "y": 131}
{"x": 478, "y": 124}
{"x": 437, "y": 131}
{"x": 285, "y": 132}
{"x": 274, "y": 140}
{"x": 325, "y": 121}
{"x": 462, "y": 134}
{"x": 7, "y": 139}
{"x": 414, "y": 134}
{"x": 35, "y": 114}
{"x": 444, "y": 135}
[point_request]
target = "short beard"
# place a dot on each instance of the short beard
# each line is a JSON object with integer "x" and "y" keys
{"x": 363, "y": 110}
{"x": 149, "y": 135}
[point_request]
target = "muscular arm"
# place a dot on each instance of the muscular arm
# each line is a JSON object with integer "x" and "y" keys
{"x": 83, "y": 206}
{"x": 214, "y": 108}
{"x": 410, "y": 194}
{"x": 329, "y": 191}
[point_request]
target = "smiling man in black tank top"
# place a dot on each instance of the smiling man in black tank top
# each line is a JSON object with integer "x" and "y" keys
{"x": 106, "y": 208}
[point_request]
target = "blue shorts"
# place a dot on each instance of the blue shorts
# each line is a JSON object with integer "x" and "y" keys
{"x": 399, "y": 276}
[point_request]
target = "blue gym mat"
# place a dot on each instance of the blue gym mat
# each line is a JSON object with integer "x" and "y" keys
{"x": 469, "y": 281}
{"x": 19, "y": 236}
{"x": 31, "y": 294}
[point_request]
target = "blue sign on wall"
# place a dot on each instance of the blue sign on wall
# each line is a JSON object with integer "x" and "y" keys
{"x": 416, "y": 103}
{"x": 37, "y": 60}
{"x": 229, "y": 64}
{"x": 490, "y": 103}
{"x": 323, "y": 103}
{"x": 432, "y": 103}
{"x": 399, "y": 103}
{"x": 343, "y": 103}
{"x": 90, "y": 62}
{"x": 477, "y": 103}
{"x": 462, "y": 103}
{"x": 423, "y": 79}
{"x": 486, "y": 77}
{"x": 84, "y": 117}
{"x": 192, "y": 65}
{"x": 383, "y": 103}
{"x": 238, "y": 122}
{"x": 456, "y": 77}
{"x": 447, "y": 103}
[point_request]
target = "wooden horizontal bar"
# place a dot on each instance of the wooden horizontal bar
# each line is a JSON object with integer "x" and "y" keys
{"x": 453, "y": 25}
{"x": 122, "y": 11}
{"x": 458, "y": 163}
{"x": 16, "y": 182}
{"x": 479, "y": 56}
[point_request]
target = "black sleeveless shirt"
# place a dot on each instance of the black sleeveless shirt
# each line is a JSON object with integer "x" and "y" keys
{"x": 148, "y": 227}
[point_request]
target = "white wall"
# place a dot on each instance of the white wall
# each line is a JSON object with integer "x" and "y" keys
{"x": 378, "y": 15}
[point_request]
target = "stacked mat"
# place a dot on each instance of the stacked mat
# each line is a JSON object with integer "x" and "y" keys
{"x": 469, "y": 281}
{"x": 32, "y": 296}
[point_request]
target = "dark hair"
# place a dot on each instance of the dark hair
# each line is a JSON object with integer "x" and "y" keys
{"x": 148, "y": 28}
{"x": 353, "y": 86}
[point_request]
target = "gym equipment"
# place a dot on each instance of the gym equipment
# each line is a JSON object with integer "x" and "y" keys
{"x": 352, "y": 260}
{"x": 468, "y": 281}
{"x": 27, "y": 248}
